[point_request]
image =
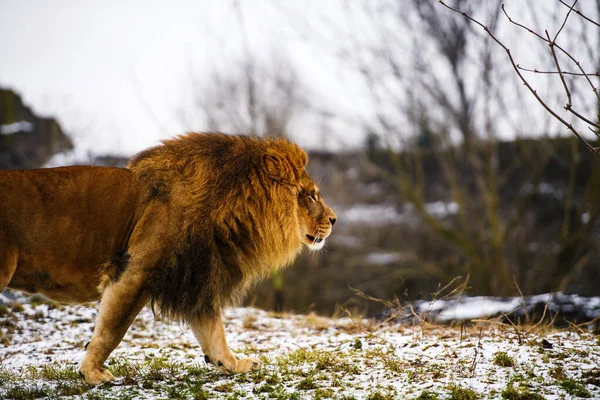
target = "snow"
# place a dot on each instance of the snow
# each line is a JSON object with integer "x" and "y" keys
{"x": 484, "y": 307}
{"x": 369, "y": 357}
{"x": 379, "y": 215}
{"x": 473, "y": 307}
{"x": 16, "y": 127}
{"x": 381, "y": 258}
{"x": 372, "y": 214}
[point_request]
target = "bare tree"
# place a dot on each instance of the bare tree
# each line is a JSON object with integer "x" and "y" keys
{"x": 251, "y": 97}
{"x": 448, "y": 104}
{"x": 566, "y": 67}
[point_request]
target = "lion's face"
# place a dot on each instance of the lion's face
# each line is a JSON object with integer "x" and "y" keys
{"x": 316, "y": 218}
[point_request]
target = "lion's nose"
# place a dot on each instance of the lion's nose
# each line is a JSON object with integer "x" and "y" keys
{"x": 332, "y": 220}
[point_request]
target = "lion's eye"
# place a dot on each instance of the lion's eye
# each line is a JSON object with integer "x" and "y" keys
{"x": 314, "y": 197}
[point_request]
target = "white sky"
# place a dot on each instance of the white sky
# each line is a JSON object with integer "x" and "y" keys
{"x": 118, "y": 74}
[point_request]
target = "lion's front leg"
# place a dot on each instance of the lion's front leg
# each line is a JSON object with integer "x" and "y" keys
{"x": 121, "y": 302}
{"x": 211, "y": 335}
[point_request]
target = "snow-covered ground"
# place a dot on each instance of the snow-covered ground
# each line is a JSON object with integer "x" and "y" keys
{"x": 305, "y": 357}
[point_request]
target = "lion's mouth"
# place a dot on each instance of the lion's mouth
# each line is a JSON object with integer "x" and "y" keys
{"x": 313, "y": 239}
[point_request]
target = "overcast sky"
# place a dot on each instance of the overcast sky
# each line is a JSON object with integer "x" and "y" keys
{"x": 119, "y": 75}
{"x": 116, "y": 74}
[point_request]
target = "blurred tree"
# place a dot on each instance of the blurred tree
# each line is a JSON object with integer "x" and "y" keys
{"x": 250, "y": 97}
{"x": 452, "y": 93}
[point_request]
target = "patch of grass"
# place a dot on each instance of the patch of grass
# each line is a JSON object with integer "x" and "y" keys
{"x": 224, "y": 388}
{"x": 510, "y": 393}
{"x": 76, "y": 388}
{"x": 427, "y": 396}
{"x": 437, "y": 371}
{"x": 177, "y": 392}
{"x": 161, "y": 368}
{"x": 390, "y": 361}
{"x": 34, "y": 391}
{"x": 323, "y": 360}
{"x": 53, "y": 372}
{"x": 574, "y": 388}
{"x": 17, "y": 307}
{"x": 36, "y": 300}
{"x": 558, "y": 373}
{"x": 130, "y": 372}
{"x": 502, "y": 359}
{"x": 23, "y": 392}
{"x": 196, "y": 370}
{"x": 273, "y": 391}
{"x": 459, "y": 393}
{"x": 3, "y": 310}
{"x": 197, "y": 392}
{"x": 377, "y": 395}
{"x": 592, "y": 377}
{"x": 307, "y": 383}
{"x": 324, "y": 394}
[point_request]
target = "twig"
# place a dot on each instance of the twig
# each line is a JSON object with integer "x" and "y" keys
{"x": 522, "y": 298}
{"x": 569, "y": 108}
{"x": 579, "y": 326}
{"x": 522, "y": 78}
{"x": 537, "y": 71}
{"x": 544, "y": 312}
{"x": 579, "y": 13}
{"x": 552, "y": 44}
{"x": 563, "y": 24}
{"x": 566, "y": 53}
{"x": 474, "y": 365}
{"x": 516, "y": 329}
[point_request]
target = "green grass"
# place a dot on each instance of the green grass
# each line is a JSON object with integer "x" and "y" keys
{"x": 592, "y": 377}
{"x": 502, "y": 359}
{"x": 307, "y": 383}
{"x": 510, "y": 393}
{"x": 427, "y": 396}
{"x": 17, "y": 307}
{"x": 460, "y": 393}
{"x": 574, "y": 388}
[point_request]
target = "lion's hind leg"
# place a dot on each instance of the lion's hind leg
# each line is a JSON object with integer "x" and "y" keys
{"x": 8, "y": 264}
{"x": 120, "y": 304}
{"x": 210, "y": 333}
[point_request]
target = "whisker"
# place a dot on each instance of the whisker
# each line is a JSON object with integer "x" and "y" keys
{"x": 317, "y": 237}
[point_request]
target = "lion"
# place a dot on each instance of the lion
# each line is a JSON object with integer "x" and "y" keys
{"x": 189, "y": 226}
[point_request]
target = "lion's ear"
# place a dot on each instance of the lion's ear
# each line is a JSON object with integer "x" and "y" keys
{"x": 278, "y": 168}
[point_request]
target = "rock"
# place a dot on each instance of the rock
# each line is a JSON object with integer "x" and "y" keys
{"x": 26, "y": 139}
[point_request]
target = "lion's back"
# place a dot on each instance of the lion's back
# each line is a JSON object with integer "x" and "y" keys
{"x": 65, "y": 222}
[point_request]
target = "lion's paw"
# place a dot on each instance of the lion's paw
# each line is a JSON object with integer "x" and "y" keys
{"x": 248, "y": 364}
{"x": 97, "y": 376}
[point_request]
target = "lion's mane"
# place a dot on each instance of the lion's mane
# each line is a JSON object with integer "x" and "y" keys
{"x": 234, "y": 203}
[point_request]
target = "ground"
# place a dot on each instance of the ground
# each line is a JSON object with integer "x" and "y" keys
{"x": 41, "y": 344}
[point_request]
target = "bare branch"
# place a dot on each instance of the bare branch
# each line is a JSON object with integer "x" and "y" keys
{"x": 580, "y": 13}
{"x": 521, "y": 77}
{"x": 560, "y": 74}
{"x": 512, "y": 21}
{"x": 570, "y": 73}
{"x": 570, "y": 109}
{"x": 565, "y": 52}
{"x": 563, "y": 24}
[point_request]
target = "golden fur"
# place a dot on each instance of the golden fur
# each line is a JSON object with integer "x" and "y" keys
{"x": 190, "y": 226}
